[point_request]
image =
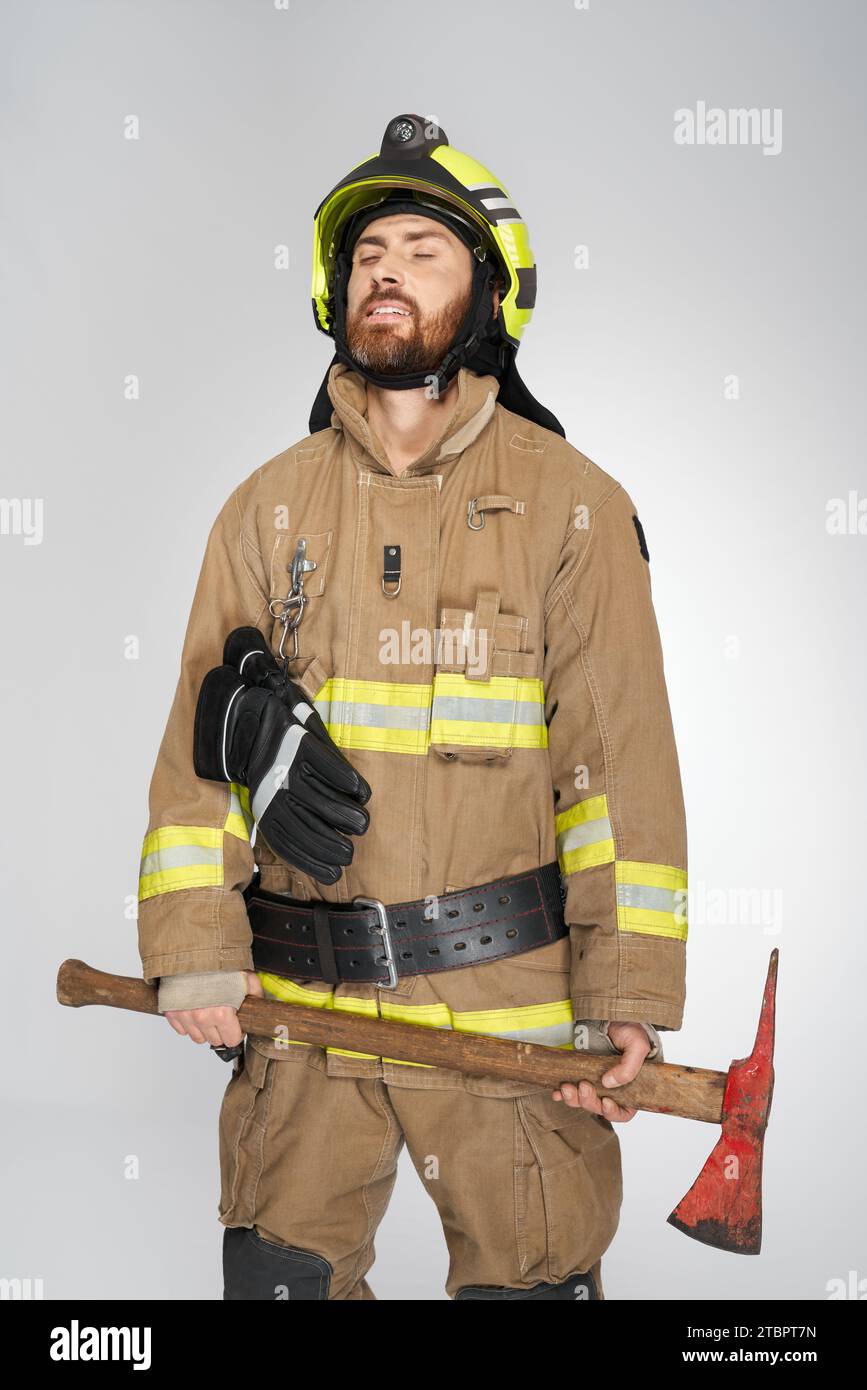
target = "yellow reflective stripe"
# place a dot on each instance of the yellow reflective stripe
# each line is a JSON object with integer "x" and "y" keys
{"x": 379, "y": 740}
{"x": 175, "y": 857}
{"x": 278, "y": 987}
{"x": 171, "y": 880}
{"x": 594, "y": 808}
{"x": 386, "y": 716}
{"x": 406, "y": 717}
{"x": 651, "y": 899}
{"x": 587, "y": 857}
{"x": 180, "y": 856}
{"x": 490, "y": 1022}
{"x": 170, "y": 836}
{"x": 239, "y": 821}
{"x": 462, "y": 711}
{"x": 584, "y": 837}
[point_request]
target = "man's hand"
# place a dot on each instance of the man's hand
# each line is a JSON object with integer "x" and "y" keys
{"x": 218, "y": 1025}
{"x": 634, "y": 1045}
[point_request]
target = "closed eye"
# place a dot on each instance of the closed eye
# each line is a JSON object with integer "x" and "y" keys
{"x": 419, "y": 255}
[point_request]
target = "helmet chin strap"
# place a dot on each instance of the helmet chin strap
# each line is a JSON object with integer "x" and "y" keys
{"x": 474, "y": 336}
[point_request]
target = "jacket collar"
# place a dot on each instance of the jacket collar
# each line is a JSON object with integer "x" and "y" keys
{"x": 474, "y": 405}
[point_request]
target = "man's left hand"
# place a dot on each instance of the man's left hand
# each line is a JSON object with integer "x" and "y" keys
{"x": 634, "y": 1045}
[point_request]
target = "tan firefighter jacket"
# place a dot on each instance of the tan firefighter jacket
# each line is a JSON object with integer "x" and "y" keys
{"x": 505, "y": 701}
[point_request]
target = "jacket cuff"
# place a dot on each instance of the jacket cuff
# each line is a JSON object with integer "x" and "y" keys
{"x": 666, "y": 1016}
{"x": 207, "y": 990}
{"x": 591, "y": 1035}
{"x": 194, "y": 931}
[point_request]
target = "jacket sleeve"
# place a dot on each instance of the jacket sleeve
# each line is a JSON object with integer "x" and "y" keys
{"x": 620, "y": 825}
{"x": 197, "y": 858}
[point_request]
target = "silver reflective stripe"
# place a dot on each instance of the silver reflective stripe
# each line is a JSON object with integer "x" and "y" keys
{"x": 474, "y": 711}
{"x": 653, "y": 899}
{"x": 588, "y": 832}
{"x": 370, "y": 716}
{"x": 302, "y": 711}
{"x": 179, "y": 857}
{"x": 274, "y": 780}
{"x": 554, "y": 1035}
{"x": 529, "y": 712}
{"x": 551, "y": 1035}
{"x": 236, "y": 808}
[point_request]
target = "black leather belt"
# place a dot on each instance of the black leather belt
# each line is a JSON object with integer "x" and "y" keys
{"x": 367, "y": 941}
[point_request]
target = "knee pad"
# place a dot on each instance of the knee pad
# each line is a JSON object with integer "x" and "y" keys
{"x": 260, "y": 1269}
{"x": 580, "y": 1288}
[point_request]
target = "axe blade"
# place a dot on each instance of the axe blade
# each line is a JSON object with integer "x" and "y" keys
{"x": 723, "y": 1207}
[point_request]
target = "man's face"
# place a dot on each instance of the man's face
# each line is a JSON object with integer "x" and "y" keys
{"x": 423, "y": 271}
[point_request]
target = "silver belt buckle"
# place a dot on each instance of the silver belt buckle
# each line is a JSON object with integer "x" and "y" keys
{"x": 384, "y": 931}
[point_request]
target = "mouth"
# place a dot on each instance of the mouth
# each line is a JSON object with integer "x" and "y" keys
{"x": 387, "y": 313}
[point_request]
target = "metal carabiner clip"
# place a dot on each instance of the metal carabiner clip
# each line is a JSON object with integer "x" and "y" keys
{"x": 471, "y": 512}
{"x": 294, "y": 603}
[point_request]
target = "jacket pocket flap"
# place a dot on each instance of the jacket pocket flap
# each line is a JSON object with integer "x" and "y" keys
{"x": 318, "y": 549}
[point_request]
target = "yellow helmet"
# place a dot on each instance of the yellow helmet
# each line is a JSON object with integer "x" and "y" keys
{"x": 417, "y": 158}
{"x": 417, "y": 170}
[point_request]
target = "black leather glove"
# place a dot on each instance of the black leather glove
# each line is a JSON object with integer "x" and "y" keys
{"x": 306, "y": 797}
{"x": 248, "y": 651}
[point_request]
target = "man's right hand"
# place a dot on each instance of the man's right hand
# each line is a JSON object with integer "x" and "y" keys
{"x": 217, "y": 1023}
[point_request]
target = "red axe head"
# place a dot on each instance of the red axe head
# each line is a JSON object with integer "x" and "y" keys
{"x": 724, "y": 1205}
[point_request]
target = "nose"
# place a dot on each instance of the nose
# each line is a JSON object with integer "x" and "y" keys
{"x": 382, "y": 277}
{"x": 386, "y": 272}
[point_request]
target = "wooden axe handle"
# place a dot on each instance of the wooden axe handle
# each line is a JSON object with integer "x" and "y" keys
{"x": 692, "y": 1093}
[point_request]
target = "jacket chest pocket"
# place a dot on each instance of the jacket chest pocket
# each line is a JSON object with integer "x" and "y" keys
{"x": 487, "y": 698}
{"x": 299, "y": 577}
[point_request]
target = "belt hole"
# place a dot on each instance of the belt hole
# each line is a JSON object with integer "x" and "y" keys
{"x": 513, "y": 931}
{"x": 460, "y": 946}
{"x": 478, "y": 907}
{"x": 406, "y": 955}
{"x": 433, "y": 950}
{"x": 503, "y": 898}
{"x": 485, "y": 940}
{"x": 453, "y": 912}
{"x": 347, "y": 931}
{"x": 310, "y": 960}
{"x": 400, "y": 922}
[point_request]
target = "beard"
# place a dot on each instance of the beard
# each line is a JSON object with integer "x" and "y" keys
{"x": 392, "y": 351}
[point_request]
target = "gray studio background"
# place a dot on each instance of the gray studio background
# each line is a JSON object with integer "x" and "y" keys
{"x": 155, "y": 258}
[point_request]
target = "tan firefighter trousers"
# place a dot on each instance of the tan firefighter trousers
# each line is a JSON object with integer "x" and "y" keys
{"x": 528, "y": 1190}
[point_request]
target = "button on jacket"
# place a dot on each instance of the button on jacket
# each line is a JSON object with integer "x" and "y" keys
{"x": 481, "y": 642}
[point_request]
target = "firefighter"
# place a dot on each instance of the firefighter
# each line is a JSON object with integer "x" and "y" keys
{"x": 420, "y": 766}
